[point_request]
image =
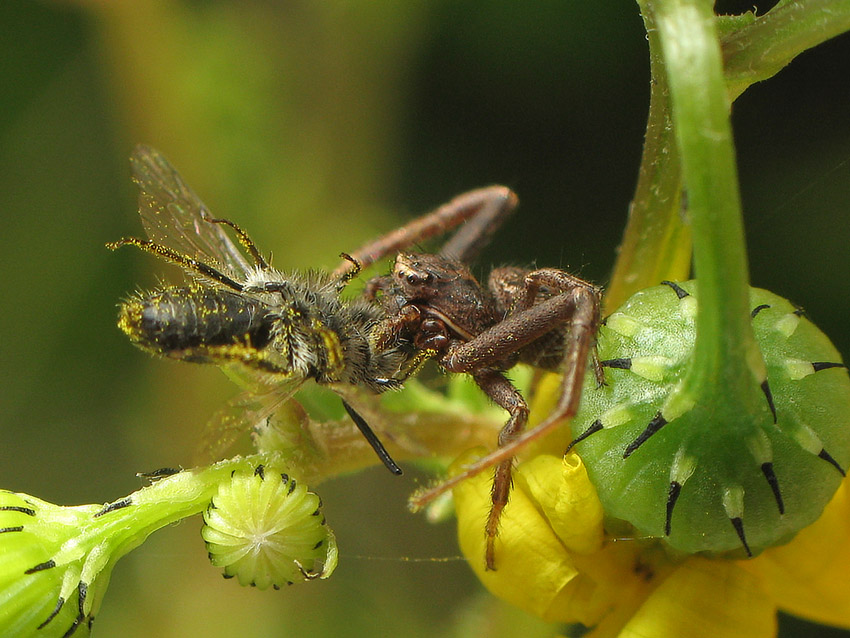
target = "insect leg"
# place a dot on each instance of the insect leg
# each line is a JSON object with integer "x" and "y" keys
{"x": 488, "y": 206}
{"x": 244, "y": 239}
{"x": 166, "y": 253}
{"x": 350, "y": 274}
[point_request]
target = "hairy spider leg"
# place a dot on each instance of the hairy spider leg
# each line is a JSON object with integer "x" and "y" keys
{"x": 505, "y": 395}
{"x": 484, "y": 208}
{"x": 579, "y": 305}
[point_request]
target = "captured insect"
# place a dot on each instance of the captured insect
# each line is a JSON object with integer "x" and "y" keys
{"x": 275, "y": 329}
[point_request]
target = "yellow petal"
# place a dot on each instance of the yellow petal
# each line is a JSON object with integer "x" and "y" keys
{"x": 808, "y": 576}
{"x": 705, "y": 598}
{"x": 566, "y": 497}
{"x": 533, "y": 566}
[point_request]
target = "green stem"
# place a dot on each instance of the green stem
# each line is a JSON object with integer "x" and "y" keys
{"x": 154, "y": 507}
{"x": 656, "y": 244}
{"x": 758, "y": 50}
{"x": 700, "y": 114}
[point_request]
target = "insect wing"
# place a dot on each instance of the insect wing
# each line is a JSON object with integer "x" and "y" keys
{"x": 174, "y": 216}
{"x": 241, "y": 414}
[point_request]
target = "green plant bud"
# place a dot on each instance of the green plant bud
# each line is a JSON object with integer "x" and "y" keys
{"x": 266, "y": 529}
{"x": 701, "y": 472}
{"x": 40, "y": 593}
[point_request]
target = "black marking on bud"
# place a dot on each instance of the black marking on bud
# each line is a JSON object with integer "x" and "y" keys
{"x": 765, "y": 387}
{"x": 17, "y": 528}
{"x": 681, "y": 293}
{"x": 284, "y": 477}
{"x": 656, "y": 424}
{"x": 738, "y": 524}
{"x": 17, "y": 508}
{"x": 155, "y": 475}
{"x": 82, "y": 592}
{"x": 826, "y": 456}
{"x": 770, "y": 475}
{"x": 758, "y": 309}
{"x": 117, "y": 505}
{"x": 261, "y": 472}
{"x": 319, "y": 544}
{"x": 292, "y": 486}
{"x": 48, "y": 564}
{"x": 826, "y": 365}
{"x": 799, "y": 312}
{"x": 73, "y": 628}
{"x": 621, "y": 364}
{"x": 672, "y": 497}
{"x": 594, "y": 427}
{"x": 56, "y": 610}
{"x": 227, "y": 576}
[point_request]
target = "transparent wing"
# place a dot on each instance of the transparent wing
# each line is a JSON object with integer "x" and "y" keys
{"x": 174, "y": 216}
{"x": 240, "y": 415}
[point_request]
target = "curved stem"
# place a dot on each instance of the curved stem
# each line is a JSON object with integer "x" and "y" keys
{"x": 700, "y": 112}
{"x": 656, "y": 243}
{"x": 758, "y": 50}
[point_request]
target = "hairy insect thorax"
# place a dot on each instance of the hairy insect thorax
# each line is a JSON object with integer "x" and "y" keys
{"x": 302, "y": 329}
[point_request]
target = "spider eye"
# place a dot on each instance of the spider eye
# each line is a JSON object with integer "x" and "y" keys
{"x": 412, "y": 279}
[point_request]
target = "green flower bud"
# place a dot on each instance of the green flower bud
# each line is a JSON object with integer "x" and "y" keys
{"x": 266, "y": 529}
{"x": 50, "y": 583}
{"x": 701, "y": 472}
{"x": 55, "y": 562}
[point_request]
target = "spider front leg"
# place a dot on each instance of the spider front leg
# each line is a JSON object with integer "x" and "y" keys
{"x": 484, "y": 210}
{"x": 505, "y": 395}
{"x": 575, "y": 310}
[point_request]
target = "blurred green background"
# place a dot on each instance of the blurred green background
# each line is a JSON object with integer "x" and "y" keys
{"x": 318, "y": 125}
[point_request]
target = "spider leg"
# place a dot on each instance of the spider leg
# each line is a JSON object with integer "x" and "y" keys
{"x": 503, "y": 393}
{"x": 485, "y": 208}
{"x": 579, "y": 306}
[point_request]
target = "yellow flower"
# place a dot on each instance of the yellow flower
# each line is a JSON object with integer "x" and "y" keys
{"x": 555, "y": 560}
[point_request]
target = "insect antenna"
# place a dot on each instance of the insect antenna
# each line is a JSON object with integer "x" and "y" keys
{"x": 166, "y": 253}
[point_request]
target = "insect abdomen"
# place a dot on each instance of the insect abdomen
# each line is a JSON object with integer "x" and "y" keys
{"x": 194, "y": 323}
